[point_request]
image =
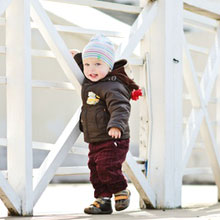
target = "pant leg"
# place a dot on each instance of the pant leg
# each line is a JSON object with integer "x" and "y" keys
{"x": 100, "y": 189}
{"x": 109, "y": 159}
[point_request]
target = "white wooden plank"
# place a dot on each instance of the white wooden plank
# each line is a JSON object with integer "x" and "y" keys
{"x": 2, "y": 49}
{"x": 19, "y": 102}
{"x": 2, "y": 21}
{"x": 204, "y": 7}
{"x": 139, "y": 180}
{"x": 212, "y": 149}
{"x": 68, "y": 171}
{"x": 199, "y": 21}
{"x": 55, "y": 158}
{"x": 79, "y": 30}
{"x": 43, "y": 146}
{"x": 190, "y": 77}
{"x": 3, "y": 141}
{"x": 206, "y": 129}
{"x": 47, "y": 53}
{"x": 146, "y": 119}
{"x": 104, "y": 5}
{"x": 79, "y": 150}
{"x": 217, "y": 116}
{"x": 9, "y": 196}
{"x": 138, "y": 29}
{"x": 42, "y": 53}
{"x": 135, "y": 61}
{"x": 165, "y": 152}
{"x": 3, "y": 5}
{"x": 211, "y": 71}
{"x": 3, "y": 80}
{"x": 191, "y": 133}
{"x": 52, "y": 85}
{"x": 197, "y": 171}
{"x": 57, "y": 45}
{"x": 198, "y": 49}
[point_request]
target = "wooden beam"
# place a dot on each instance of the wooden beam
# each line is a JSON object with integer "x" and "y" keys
{"x": 210, "y": 74}
{"x": 9, "y": 196}
{"x": 3, "y": 5}
{"x": 2, "y": 49}
{"x": 47, "y": 53}
{"x": 200, "y": 21}
{"x": 42, "y": 53}
{"x": 55, "y": 158}
{"x": 211, "y": 70}
{"x": 198, "y": 49}
{"x": 3, "y": 80}
{"x": 79, "y": 30}
{"x": 19, "y": 102}
{"x": 138, "y": 30}
{"x": 103, "y": 5}
{"x": 77, "y": 170}
{"x": 165, "y": 151}
{"x": 57, "y": 45}
{"x": 139, "y": 180}
{"x": 204, "y": 7}
{"x": 52, "y": 85}
{"x": 197, "y": 171}
{"x": 2, "y": 21}
{"x": 191, "y": 133}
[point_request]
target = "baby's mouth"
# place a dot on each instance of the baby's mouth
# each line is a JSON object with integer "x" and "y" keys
{"x": 93, "y": 75}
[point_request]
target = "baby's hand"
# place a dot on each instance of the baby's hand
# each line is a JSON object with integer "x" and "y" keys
{"x": 74, "y": 52}
{"x": 114, "y": 133}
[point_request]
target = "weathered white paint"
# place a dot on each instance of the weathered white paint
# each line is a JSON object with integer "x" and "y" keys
{"x": 9, "y": 196}
{"x": 19, "y": 102}
{"x": 165, "y": 49}
{"x": 140, "y": 181}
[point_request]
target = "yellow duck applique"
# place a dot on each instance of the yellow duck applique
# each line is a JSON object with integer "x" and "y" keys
{"x": 92, "y": 98}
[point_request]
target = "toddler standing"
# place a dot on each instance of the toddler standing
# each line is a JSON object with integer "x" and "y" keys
{"x": 106, "y": 94}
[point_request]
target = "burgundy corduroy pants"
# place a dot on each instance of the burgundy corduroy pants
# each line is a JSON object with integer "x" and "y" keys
{"x": 105, "y": 164}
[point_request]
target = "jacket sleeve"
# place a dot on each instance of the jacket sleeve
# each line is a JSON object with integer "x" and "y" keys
{"x": 118, "y": 105}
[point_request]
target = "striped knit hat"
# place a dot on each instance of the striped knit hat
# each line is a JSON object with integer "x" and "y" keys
{"x": 101, "y": 48}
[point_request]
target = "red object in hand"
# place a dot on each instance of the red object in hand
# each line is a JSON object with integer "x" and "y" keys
{"x": 135, "y": 94}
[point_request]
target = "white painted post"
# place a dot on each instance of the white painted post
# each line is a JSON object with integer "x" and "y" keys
{"x": 165, "y": 159}
{"x": 218, "y": 117}
{"x": 19, "y": 102}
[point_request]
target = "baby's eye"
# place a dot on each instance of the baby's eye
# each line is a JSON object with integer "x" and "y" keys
{"x": 98, "y": 64}
{"x": 86, "y": 64}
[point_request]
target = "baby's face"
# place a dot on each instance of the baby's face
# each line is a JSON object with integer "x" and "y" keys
{"x": 95, "y": 69}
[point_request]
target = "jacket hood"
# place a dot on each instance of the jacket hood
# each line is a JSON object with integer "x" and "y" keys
{"x": 118, "y": 71}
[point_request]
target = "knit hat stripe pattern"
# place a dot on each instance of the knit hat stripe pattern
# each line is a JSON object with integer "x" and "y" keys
{"x": 100, "y": 47}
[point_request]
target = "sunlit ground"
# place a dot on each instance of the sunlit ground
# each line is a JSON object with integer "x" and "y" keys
{"x": 73, "y": 198}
